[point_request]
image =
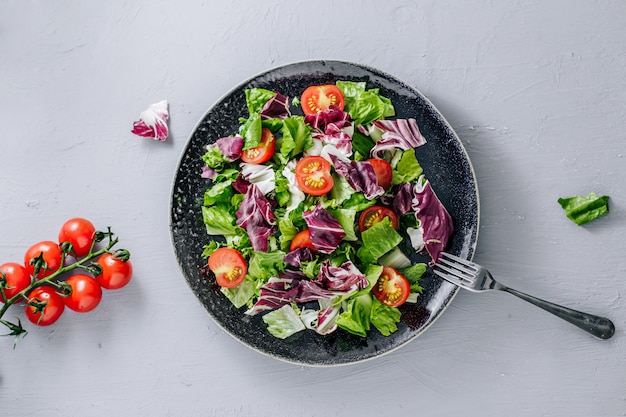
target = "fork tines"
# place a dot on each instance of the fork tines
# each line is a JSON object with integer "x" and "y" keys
{"x": 456, "y": 269}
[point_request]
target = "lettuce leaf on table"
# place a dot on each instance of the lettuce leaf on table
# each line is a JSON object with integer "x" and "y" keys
{"x": 582, "y": 210}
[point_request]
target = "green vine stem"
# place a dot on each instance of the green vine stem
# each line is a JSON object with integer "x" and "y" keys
{"x": 16, "y": 329}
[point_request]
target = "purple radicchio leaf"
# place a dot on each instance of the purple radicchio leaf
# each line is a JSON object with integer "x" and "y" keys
{"x": 208, "y": 172}
{"x": 434, "y": 219}
{"x": 328, "y": 121}
{"x": 360, "y": 175}
{"x": 230, "y": 147}
{"x": 276, "y": 108}
{"x": 152, "y": 122}
{"x": 299, "y": 255}
{"x": 256, "y": 216}
{"x": 403, "y": 199}
{"x": 401, "y": 133}
{"x": 346, "y": 277}
{"x": 325, "y": 231}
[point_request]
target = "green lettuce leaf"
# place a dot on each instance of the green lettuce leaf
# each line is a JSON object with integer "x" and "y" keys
{"x": 378, "y": 240}
{"x": 351, "y": 92}
{"x": 384, "y": 317}
{"x": 407, "y": 169}
{"x": 219, "y": 221}
{"x": 582, "y": 210}
{"x": 296, "y": 136}
{"x": 251, "y": 131}
{"x": 220, "y": 192}
{"x": 356, "y": 317}
{"x": 283, "y": 322}
{"x": 346, "y": 218}
{"x": 256, "y": 99}
{"x": 242, "y": 294}
{"x": 264, "y": 265}
{"x": 414, "y": 275}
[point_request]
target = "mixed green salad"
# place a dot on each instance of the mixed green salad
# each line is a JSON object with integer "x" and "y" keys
{"x": 319, "y": 200}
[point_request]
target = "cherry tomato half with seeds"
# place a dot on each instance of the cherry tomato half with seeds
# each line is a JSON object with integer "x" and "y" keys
{"x": 44, "y": 306}
{"x": 116, "y": 272}
{"x": 85, "y": 294}
{"x": 375, "y": 214}
{"x": 80, "y": 233}
{"x": 320, "y": 97}
{"x": 47, "y": 255}
{"x": 313, "y": 175}
{"x": 302, "y": 240}
{"x": 392, "y": 288}
{"x": 16, "y": 279}
{"x": 229, "y": 267}
{"x": 263, "y": 151}
{"x": 383, "y": 171}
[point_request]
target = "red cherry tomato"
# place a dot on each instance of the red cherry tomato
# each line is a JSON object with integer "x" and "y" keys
{"x": 44, "y": 306}
{"x": 320, "y": 97}
{"x": 85, "y": 294}
{"x": 80, "y": 233}
{"x": 263, "y": 151}
{"x": 392, "y": 288}
{"x": 47, "y": 255}
{"x": 229, "y": 267}
{"x": 16, "y": 278}
{"x": 313, "y": 175}
{"x": 383, "y": 171}
{"x": 302, "y": 240}
{"x": 374, "y": 214}
{"x": 116, "y": 272}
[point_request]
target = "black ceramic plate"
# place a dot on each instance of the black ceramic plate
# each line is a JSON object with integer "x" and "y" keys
{"x": 445, "y": 164}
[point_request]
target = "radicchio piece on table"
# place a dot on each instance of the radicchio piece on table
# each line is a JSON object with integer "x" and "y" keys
{"x": 434, "y": 218}
{"x": 360, "y": 175}
{"x": 276, "y": 108}
{"x": 400, "y": 133}
{"x": 256, "y": 216}
{"x": 324, "y": 230}
{"x": 346, "y": 277}
{"x": 152, "y": 122}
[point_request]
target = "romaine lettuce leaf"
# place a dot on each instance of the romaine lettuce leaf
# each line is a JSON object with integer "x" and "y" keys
{"x": 582, "y": 210}
{"x": 251, "y": 131}
{"x": 378, "y": 240}
{"x": 296, "y": 136}
{"x": 283, "y": 322}
{"x": 384, "y": 317}
{"x": 356, "y": 317}
{"x": 256, "y": 99}
{"x": 242, "y": 294}
{"x": 219, "y": 221}
{"x": 407, "y": 169}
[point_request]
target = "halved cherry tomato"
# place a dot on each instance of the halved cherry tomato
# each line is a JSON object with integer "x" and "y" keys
{"x": 392, "y": 288}
{"x": 313, "y": 175}
{"x": 229, "y": 267}
{"x": 302, "y": 240}
{"x": 383, "y": 171}
{"x": 320, "y": 97}
{"x": 374, "y": 214}
{"x": 263, "y": 151}
{"x": 47, "y": 256}
{"x": 16, "y": 278}
{"x": 45, "y": 306}
{"x": 86, "y": 293}
{"x": 80, "y": 233}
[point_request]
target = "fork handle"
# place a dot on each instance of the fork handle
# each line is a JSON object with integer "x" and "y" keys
{"x": 598, "y": 326}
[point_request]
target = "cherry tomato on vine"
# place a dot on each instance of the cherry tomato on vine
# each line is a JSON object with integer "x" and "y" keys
{"x": 392, "y": 288}
{"x": 302, "y": 240}
{"x": 375, "y": 214}
{"x": 229, "y": 267}
{"x": 85, "y": 294}
{"x": 383, "y": 171}
{"x": 44, "y": 306}
{"x": 116, "y": 272}
{"x": 47, "y": 255}
{"x": 320, "y": 97}
{"x": 80, "y": 233}
{"x": 263, "y": 151}
{"x": 16, "y": 279}
{"x": 313, "y": 175}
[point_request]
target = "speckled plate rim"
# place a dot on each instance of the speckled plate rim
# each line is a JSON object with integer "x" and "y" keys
{"x": 467, "y": 251}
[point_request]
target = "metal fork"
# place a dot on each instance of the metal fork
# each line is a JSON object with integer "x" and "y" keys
{"x": 473, "y": 277}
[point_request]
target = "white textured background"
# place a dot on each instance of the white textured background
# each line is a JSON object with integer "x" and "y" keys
{"x": 535, "y": 89}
